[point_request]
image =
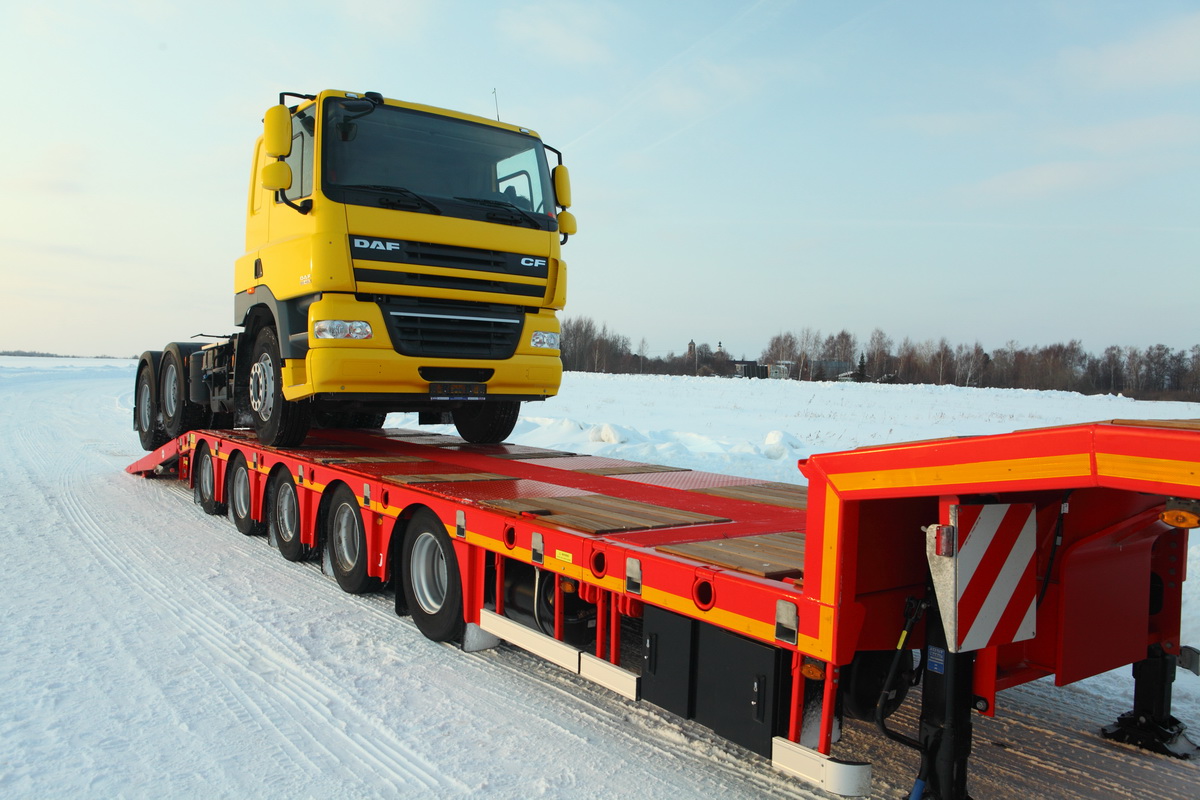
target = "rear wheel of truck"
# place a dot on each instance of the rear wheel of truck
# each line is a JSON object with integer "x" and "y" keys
{"x": 347, "y": 543}
{"x": 145, "y": 413}
{"x": 179, "y": 414}
{"x": 283, "y": 516}
{"x": 277, "y": 422}
{"x": 237, "y": 492}
{"x": 430, "y": 580}
{"x": 487, "y": 422}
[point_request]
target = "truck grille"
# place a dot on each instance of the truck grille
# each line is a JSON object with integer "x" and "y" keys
{"x": 492, "y": 267}
{"x": 433, "y": 329}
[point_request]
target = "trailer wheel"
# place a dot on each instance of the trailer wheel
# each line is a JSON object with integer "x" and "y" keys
{"x": 430, "y": 580}
{"x": 145, "y": 413}
{"x": 488, "y": 422}
{"x": 347, "y": 543}
{"x": 206, "y": 481}
{"x": 179, "y": 414}
{"x": 283, "y": 516}
{"x": 277, "y": 421}
{"x": 237, "y": 491}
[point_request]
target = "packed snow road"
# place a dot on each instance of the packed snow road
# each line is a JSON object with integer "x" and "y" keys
{"x": 148, "y": 650}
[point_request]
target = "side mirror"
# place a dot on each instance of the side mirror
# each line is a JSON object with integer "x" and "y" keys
{"x": 277, "y": 176}
{"x": 566, "y": 223}
{"x": 277, "y": 132}
{"x": 562, "y": 186}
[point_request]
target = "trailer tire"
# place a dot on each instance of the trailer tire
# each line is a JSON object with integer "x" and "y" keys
{"x": 346, "y": 539}
{"x": 145, "y": 412}
{"x": 283, "y": 516}
{"x": 206, "y": 481}
{"x": 238, "y": 493}
{"x": 430, "y": 578}
{"x": 277, "y": 421}
{"x": 488, "y": 422}
{"x": 179, "y": 413}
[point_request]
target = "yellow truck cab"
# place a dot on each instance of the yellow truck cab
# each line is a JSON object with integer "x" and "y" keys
{"x": 399, "y": 257}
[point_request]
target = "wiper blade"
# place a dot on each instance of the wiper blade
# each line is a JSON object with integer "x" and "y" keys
{"x": 418, "y": 201}
{"x": 530, "y": 218}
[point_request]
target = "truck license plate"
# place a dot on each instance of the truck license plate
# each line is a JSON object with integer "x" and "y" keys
{"x": 457, "y": 391}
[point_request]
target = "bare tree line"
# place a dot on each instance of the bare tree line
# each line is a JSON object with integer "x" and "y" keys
{"x": 1155, "y": 372}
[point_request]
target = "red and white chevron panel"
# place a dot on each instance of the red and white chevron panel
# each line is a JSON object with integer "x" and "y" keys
{"x": 996, "y": 582}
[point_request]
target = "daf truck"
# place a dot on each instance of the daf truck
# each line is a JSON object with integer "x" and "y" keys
{"x": 399, "y": 257}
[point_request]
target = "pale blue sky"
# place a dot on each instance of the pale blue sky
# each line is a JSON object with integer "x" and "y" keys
{"x": 981, "y": 171}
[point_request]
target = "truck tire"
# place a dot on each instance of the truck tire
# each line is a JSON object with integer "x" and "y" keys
{"x": 206, "y": 481}
{"x": 283, "y": 516}
{"x": 237, "y": 492}
{"x": 347, "y": 543}
{"x": 430, "y": 580}
{"x": 145, "y": 412}
{"x": 489, "y": 422}
{"x": 277, "y": 422}
{"x": 179, "y": 414}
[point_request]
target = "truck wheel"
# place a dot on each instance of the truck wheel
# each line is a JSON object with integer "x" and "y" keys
{"x": 237, "y": 491}
{"x": 277, "y": 422}
{"x": 145, "y": 413}
{"x": 179, "y": 414}
{"x": 347, "y": 543}
{"x": 430, "y": 580}
{"x": 206, "y": 481}
{"x": 488, "y": 422}
{"x": 283, "y": 515}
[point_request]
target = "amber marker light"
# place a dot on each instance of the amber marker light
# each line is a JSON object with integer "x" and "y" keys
{"x": 1178, "y": 518}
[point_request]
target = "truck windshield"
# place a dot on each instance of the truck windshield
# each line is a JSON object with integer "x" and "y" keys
{"x": 399, "y": 158}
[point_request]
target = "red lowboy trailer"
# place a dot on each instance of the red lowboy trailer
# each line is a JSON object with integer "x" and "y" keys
{"x": 763, "y": 611}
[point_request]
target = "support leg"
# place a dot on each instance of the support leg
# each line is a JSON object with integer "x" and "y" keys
{"x": 946, "y": 716}
{"x": 1150, "y": 724}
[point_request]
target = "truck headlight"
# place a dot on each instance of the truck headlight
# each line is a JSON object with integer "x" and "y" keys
{"x": 341, "y": 329}
{"x": 544, "y": 339}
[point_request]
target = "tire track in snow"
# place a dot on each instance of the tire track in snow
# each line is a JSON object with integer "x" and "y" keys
{"x": 309, "y": 692}
{"x": 290, "y": 708}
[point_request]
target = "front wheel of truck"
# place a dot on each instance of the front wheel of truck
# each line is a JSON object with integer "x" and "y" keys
{"x": 487, "y": 422}
{"x": 278, "y": 422}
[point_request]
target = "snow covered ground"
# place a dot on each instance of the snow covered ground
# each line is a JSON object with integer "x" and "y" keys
{"x": 147, "y": 650}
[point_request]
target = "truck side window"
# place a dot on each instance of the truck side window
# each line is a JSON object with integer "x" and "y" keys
{"x": 301, "y": 158}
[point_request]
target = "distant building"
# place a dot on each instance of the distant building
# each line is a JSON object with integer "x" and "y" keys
{"x": 748, "y": 369}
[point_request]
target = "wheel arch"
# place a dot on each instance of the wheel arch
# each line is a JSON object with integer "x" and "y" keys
{"x": 289, "y": 318}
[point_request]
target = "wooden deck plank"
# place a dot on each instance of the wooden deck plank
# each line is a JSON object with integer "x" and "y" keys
{"x": 448, "y": 477}
{"x": 395, "y": 459}
{"x": 638, "y": 508}
{"x": 771, "y": 555}
{"x": 774, "y": 494}
{"x": 713, "y": 553}
{"x": 630, "y": 469}
{"x": 598, "y": 514}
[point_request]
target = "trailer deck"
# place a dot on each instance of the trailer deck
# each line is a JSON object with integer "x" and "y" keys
{"x": 801, "y": 579}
